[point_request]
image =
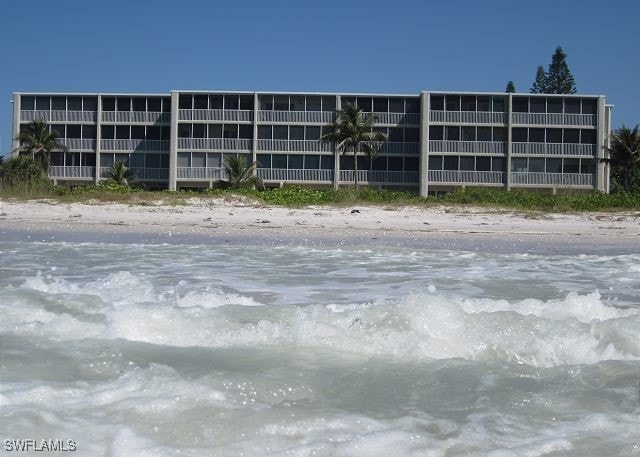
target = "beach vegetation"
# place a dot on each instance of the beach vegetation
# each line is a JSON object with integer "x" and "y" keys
{"x": 624, "y": 159}
{"x": 121, "y": 175}
{"x": 240, "y": 174}
{"x": 38, "y": 141}
{"x": 511, "y": 88}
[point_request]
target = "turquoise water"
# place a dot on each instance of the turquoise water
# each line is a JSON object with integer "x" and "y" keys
{"x": 289, "y": 351}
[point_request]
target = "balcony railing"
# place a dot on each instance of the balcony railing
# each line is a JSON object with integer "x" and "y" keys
{"x": 215, "y": 115}
{"x": 466, "y": 177}
{"x": 134, "y": 145}
{"x": 59, "y": 116}
{"x": 294, "y": 145}
{"x": 280, "y": 174}
{"x": 303, "y": 117}
{"x": 201, "y": 173}
{"x": 467, "y": 117}
{"x": 471, "y": 147}
{"x": 136, "y": 117}
{"x": 142, "y": 174}
{"x": 578, "y": 120}
{"x": 77, "y": 144}
{"x": 380, "y": 177}
{"x": 214, "y": 144}
{"x": 72, "y": 172}
{"x": 555, "y": 149}
{"x": 552, "y": 179}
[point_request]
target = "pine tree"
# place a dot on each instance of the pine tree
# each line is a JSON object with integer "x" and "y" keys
{"x": 511, "y": 88}
{"x": 559, "y": 77}
{"x": 540, "y": 84}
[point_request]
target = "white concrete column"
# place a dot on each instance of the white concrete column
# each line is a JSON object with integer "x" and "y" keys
{"x": 425, "y": 104}
{"x": 96, "y": 178}
{"x": 254, "y": 143}
{"x": 336, "y": 163}
{"x": 601, "y": 142}
{"x": 15, "y": 131}
{"x": 607, "y": 142}
{"x": 509, "y": 140}
{"x": 173, "y": 142}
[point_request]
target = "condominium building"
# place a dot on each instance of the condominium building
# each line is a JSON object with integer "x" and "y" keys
{"x": 437, "y": 141}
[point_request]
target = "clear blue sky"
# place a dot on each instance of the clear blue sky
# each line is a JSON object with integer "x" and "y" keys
{"x": 332, "y": 45}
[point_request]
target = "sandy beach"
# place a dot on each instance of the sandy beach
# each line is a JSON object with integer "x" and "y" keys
{"x": 239, "y": 220}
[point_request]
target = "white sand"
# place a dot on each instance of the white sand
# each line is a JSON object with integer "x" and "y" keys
{"x": 223, "y": 216}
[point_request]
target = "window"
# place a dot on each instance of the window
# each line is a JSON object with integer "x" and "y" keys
{"x": 453, "y": 103}
{"x": 589, "y": 106}
{"x": 281, "y": 102}
{"x": 587, "y": 136}
{"x": 231, "y": 102}
{"x": 484, "y": 133}
{"x": 348, "y": 101}
{"x": 520, "y": 105}
{"x": 108, "y": 104}
{"x": 295, "y": 162}
{"x": 437, "y": 102}
{"x": 484, "y": 104}
{"x": 571, "y": 136}
{"x": 139, "y": 104}
{"x": 483, "y": 163}
{"x": 265, "y": 102}
{"x": 136, "y": 160}
{"x": 280, "y": 132}
{"x": 166, "y": 106}
{"x": 152, "y": 160}
{"x": 554, "y": 105}
{"x": 154, "y": 105}
{"x": 435, "y": 162}
{"x": 312, "y": 133}
{"x": 394, "y": 164}
{"x": 124, "y": 104}
{"x": 536, "y": 135}
{"x": 138, "y": 133}
{"x": 519, "y": 135}
{"x": 380, "y": 104}
{"x": 311, "y": 162}
{"x": 537, "y": 105}
{"x": 246, "y": 102}
{"x": 499, "y": 134}
{"x": 328, "y": 103}
{"x": 184, "y": 159}
{"x": 395, "y": 134}
{"x": 366, "y": 103}
{"x": 364, "y": 163}
{"x": 42, "y": 103}
{"x": 214, "y": 160}
{"x": 122, "y": 132}
{"x": 571, "y": 166}
{"x": 396, "y": 105}
{"x": 587, "y": 166}
{"x": 468, "y": 103}
{"x": 411, "y": 135}
{"x": 497, "y": 164}
{"x": 467, "y": 163}
{"x": 215, "y": 102}
{"x": 184, "y": 130}
{"x": 572, "y": 106}
{"x": 185, "y": 101}
{"x": 27, "y": 103}
{"x": 327, "y": 162}
{"x": 436, "y": 133}
{"x": 313, "y": 103}
{"x": 498, "y": 105}
{"x": 453, "y": 133}
{"x": 76, "y": 103}
{"x": 412, "y": 105}
{"x": 279, "y": 160}
{"x": 89, "y": 159}
{"x": 58, "y": 103}
{"x": 230, "y": 130}
{"x": 297, "y": 103}
{"x": 165, "y": 133}
{"x": 380, "y": 163}
{"x": 108, "y": 132}
{"x": 264, "y": 160}
{"x": 554, "y": 165}
{"x": 153, "y": 132}
{"x": 198, "y": 159}
{"x": 215, "y": 130}
{"x": 296, "y": 132}
{"x": 245, "y": 132}
{"x": 199, "y": 131}
{"x": 451, "y": 163}
{"x": 469, "y": 133}
{"x": 518, "y": 165}
{"x": 411, "y": 164}
{"x": 346, "y": 162}
{"x": 536, "y": 165}
{"x": 264, "y": 132}
{"x": 200, "y": 101}
{"x": 554, "y": 135}
{"x": 106, "y": 160}
{"x": 60, "y": 129}
{"x": 124, "y": 158}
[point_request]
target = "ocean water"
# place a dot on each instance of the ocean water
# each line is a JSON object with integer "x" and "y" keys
{"x": 166, "y": 350}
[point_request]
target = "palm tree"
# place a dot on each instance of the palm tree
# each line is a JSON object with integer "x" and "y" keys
{"x": 120, "y": 174}
{"x": 624, "y": 157}
{"x": 239, "y": 174}
{"x": 37, "y": 141}
{"x": 353, "y": 131}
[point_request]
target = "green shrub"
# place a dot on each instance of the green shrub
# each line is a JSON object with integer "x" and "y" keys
{"x": 21, "y": 170}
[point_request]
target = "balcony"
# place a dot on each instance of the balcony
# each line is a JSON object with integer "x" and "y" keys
{"x": 302, "y": 117}
{"x": 201, "y": 173}
{"x": 76, "y": 144}
{"x": 59, "y": 116}
{"x": 397, "y": 118}
{"x": 567, "y": 149}
{"x": 134, "y": 145}
{"x": 215, "y": 115}
{"x": 214, "y": 144}
{"x": 466, "y": 177}
{"x": 284, "y": 175}
{"x": 135, "y": 117}
{"x": 467, "y": 147}
{"x": 79, "y": 173}
{"x": 467, "y": 117}
{"x": 380, "y": 177}
{"x": 552, "y": 179}
{"x": 574, "y": 120}
{"x": 294, "y": 145}
{"x": 142, "y": 174}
